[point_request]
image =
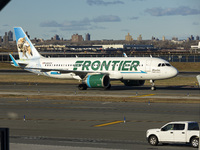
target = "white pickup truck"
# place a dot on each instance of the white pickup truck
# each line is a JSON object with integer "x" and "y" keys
{"x": 175, "y": 132}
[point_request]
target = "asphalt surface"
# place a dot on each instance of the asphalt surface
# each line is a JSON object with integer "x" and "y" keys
{"x": 68, "y": 124}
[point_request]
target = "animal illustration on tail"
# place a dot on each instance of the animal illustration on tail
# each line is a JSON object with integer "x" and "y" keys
{"x": 24, "y": 47}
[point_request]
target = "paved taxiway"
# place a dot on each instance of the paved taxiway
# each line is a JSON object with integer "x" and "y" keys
{"x": 90, "y": 123}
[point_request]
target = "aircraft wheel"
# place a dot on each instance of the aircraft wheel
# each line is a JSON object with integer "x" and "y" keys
{"x": 108, "y": 88}
{"x": 153, "y": 88}
{"x": 82, "y": 87}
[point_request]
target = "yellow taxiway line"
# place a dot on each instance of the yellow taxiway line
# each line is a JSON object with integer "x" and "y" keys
{"x": 106, "y": 124}
{"x": 143, "y": 95}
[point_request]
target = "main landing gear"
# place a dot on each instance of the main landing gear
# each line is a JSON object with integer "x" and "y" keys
{"x": 153, "y": 88}
{"x": 82, "y": 87}
{"x": 108, "y": 88}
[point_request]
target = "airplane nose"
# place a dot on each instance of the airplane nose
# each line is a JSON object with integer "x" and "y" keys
{"x": 174, "y": 72}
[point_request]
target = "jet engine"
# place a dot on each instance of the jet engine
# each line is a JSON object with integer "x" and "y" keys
{"x": 133, "y": 82}
{"x": 98, "y": 81}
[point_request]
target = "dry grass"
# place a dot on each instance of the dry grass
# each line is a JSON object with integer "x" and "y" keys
{"x": 187, "y": 66}
{"x": 33, "y": 78}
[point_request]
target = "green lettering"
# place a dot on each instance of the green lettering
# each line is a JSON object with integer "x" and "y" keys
{"x": 95, "y": 65}
{"x": 105, "y": 65}
{"x": 77, "y": 64}
{"x": 134, "y": 65}
{"x": 125, "y": 65}
{"x": 114, "y": 63}
{"x": 86, "y": 65}
{"x": 120, "y": 65}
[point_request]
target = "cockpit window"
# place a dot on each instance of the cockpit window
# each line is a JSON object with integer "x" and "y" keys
{"x": 163, "y": 64}
{"x": 167, "y": 64}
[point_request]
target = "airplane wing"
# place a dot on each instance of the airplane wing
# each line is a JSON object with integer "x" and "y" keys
{"x": 82, "y": 74}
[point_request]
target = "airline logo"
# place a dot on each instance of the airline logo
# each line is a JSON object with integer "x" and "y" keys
{"x": 107, "y": 65}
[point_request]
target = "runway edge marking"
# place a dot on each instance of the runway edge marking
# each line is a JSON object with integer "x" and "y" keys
{"x": 143, "y": 95}
{"x": 106, "y": 124}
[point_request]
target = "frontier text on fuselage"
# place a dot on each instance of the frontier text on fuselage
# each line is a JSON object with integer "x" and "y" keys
{"x": 107, "y": 65}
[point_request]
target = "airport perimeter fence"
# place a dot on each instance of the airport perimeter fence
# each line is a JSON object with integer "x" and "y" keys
{"x": 4, "y": 57}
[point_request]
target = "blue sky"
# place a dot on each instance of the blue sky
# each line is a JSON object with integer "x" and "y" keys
{"x": 103, "y": 19}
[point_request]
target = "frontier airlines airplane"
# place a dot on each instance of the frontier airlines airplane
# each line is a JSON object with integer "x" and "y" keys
{"x": 92, "y": 72}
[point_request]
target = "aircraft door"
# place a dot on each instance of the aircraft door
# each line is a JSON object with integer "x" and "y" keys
{"x": 148, "y": 66}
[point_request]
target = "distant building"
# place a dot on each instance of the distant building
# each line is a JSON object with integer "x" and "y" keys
{"x": 77, "y": 38}
{"x": 163, "y": 38}
{"x": 139, "y": 38}
{"x": 10, "y": 36}
{"x": 5, "y": 40}
{"x": 175, "y": 39}
{"x": 154, "y": 38}
{"x": 27, "y": 34}
{"x": 0, "y": 39}
{"x": 192, "y": 37}
{"x": 195, "y": 48}
{"x": 87, "y": 37}
{"x": 188, "y": 39}
{"x": 128, "y": 37}
{"x": 197, "y": 37}
{"x": 56, "y": 37}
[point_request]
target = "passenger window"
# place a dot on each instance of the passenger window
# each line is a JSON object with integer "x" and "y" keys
{"x": 159, "y": 64}
{"x": 163, "y": 64}
{"x": 179, "y": 126}
{"x": 193, "y": 126}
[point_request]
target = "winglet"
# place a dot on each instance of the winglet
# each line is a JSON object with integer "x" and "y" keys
{"x": 14, "y": 61}
{"x": 125, "y": 55}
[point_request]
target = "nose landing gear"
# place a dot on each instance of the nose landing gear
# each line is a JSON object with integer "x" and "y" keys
{"x": 153, "y": 87}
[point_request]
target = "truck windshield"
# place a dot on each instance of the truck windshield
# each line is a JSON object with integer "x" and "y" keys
{"x": 193, "y": 126}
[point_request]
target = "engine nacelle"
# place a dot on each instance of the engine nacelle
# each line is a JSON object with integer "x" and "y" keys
{"x": 97, "y": 81}
{"x": 133, "y": 82}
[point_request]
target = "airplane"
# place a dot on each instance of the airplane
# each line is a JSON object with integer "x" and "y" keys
{"x": 93, "y": 72}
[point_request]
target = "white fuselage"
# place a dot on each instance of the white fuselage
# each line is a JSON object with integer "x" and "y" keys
{"x": 118, "y": 68}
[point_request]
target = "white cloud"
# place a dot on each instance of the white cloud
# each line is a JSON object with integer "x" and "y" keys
{"x": 83, "y": 24}
{"x": 107, "y": 18}
{"x": 102, "y": 2}
{"x": 182, "y": 10}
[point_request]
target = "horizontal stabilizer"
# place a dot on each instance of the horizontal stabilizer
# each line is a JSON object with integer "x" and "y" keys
{"x": 17, "y": 64}
{"x": 14, "y": 61}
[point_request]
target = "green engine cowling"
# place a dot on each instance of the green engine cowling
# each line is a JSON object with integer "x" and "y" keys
{"x": 97, "y": 81}
{"x": 133, "y": 82}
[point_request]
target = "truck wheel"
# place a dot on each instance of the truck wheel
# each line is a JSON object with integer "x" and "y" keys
{"x": 153, "y": 140}
{"x": 195, "y": 142}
